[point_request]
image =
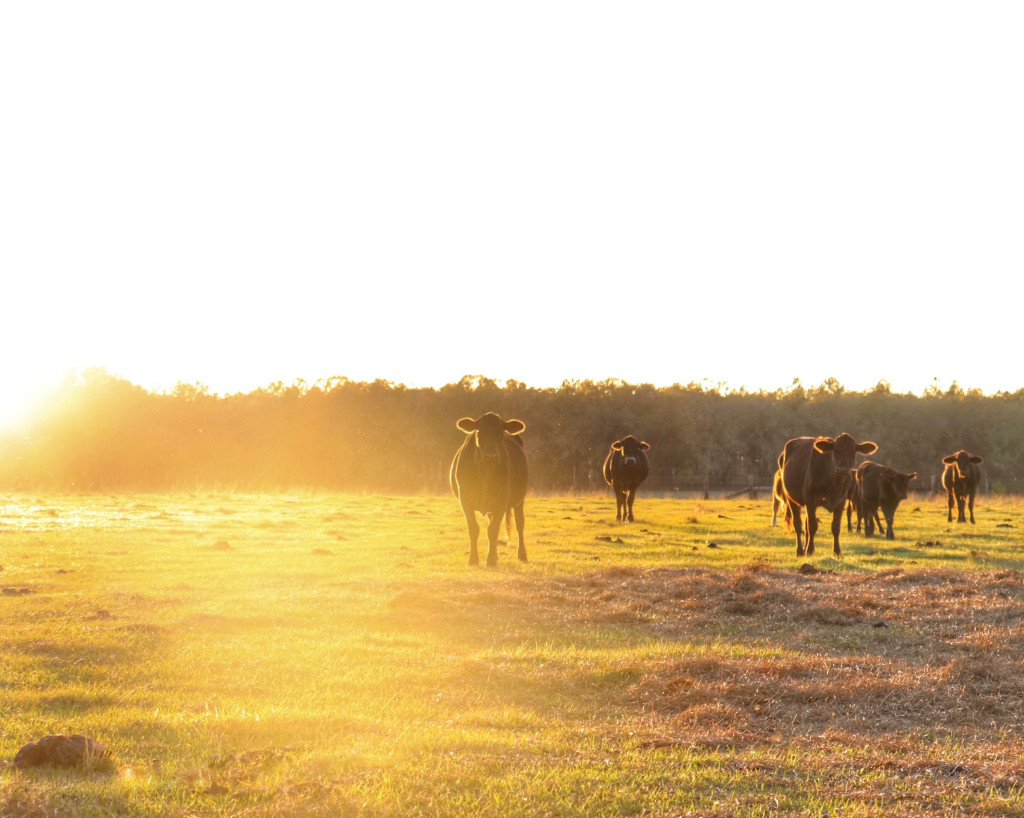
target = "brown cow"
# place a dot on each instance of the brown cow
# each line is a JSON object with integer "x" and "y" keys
{"x": 960, "y": 479}
{"x": 489, "y": 475}
{"x": 817, "y": 472}
{"x": 625, "y": 468}
{"x": 880, "y": 487}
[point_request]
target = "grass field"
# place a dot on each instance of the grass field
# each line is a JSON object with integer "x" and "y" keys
{"x": 314, "y": 654}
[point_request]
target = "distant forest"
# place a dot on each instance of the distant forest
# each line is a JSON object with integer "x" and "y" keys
{"x": 105, "y": 433}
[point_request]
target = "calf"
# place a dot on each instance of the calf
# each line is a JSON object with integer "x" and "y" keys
{"x": 960, "y": 479}
{"x": 818, "y": 472}
{"x": 489, "y": 476}
{"x": 880, "y": 487}
{"x": 625, "y": 468}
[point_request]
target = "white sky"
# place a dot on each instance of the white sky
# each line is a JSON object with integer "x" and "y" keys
{"x": 236, "y": 193}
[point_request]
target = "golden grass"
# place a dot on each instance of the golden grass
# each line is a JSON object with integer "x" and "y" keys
{"x": 333, "y": 655}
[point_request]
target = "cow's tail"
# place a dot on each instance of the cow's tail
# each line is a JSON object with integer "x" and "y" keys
{"x": 508, "y": 524}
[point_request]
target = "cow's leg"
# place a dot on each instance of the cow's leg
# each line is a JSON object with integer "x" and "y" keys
{"x": 630, "y": 497}
{"x": 949, "y": 500}
{"x": 620, "y": 505}
{"x": 849, "y": 515}
{"x": 493, "y": 528}
{"x": 837, "y": 526}
{"x": 474, "y": 533}
{"x": 519, "y": 530}
{"x": 870, "y": 513}
{"x": 811, "y": 517}
{"x": 775, "y": 511}
{"x": 960, "y": 503}
{"x": 798, "y": 527}
{"x": 971, "y": 503}
{"x": 890, "y": 514}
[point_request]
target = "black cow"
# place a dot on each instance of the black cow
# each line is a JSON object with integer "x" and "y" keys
{"x": 880, "y": 487}
{"x": 817, "y": 472}
{"x": 488, "y": 475}
{"x": 625, "y": 468}
{"x": 960, "y": 480}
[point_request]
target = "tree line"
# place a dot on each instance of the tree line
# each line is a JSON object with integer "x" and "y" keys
{"x": 101, "y": 432}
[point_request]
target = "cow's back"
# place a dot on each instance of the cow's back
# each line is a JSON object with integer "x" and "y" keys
{"x": 948, "y": 476}
{"x": 458, "y": 476}
{"x": 608, "y": 470}
{"x": 952, "y": 479}
{"x": 795, "y": 465}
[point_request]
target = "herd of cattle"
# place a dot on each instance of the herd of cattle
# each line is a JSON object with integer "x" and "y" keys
{"x": 489, "y": 476}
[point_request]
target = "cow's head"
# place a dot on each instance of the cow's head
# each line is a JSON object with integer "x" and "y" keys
{"x": 629, "y": 447}
{"x": 844, "y": 450}
{"x": 961, "y": 462}
{"x": 488, "y": 434}
{"x": 898, "y": 482}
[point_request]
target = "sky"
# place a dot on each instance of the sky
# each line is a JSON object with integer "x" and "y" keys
{"x": 737, "y": 193}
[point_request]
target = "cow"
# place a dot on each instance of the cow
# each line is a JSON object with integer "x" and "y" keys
{"x": 960, "y": 480}
{"x": 625, "y": 468}
{"x": 853, "y": 503}
{"x": 880, "y": 487}
{"x": 817, "y": 472}
{"x": 489, "y": 475}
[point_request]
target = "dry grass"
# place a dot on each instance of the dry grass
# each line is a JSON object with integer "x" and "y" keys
{"x": 898, "y": 652}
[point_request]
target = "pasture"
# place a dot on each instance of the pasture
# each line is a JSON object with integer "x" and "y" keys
{"x": 324, "y": 654}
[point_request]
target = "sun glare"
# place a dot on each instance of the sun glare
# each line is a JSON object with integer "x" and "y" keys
{"x": 21, "y": 398}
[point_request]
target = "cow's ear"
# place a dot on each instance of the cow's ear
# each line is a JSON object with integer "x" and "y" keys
{"x": 515, "y": 427}
{"x": 867, "y": 447}
{"x": 912, "y": 475}
{"x": 824, "y": 445}
{"x": 949, "y": 459}
{"x": 617, "y": 446}
{"x": 645, "y": 446}
{"x": 467, "y": 425}
{"x": 977, "y": 459}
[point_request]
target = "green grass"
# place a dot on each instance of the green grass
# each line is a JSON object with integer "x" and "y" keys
{"x": 314, "y": 654}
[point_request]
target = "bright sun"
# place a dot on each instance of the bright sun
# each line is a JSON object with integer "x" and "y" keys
{"x": 22, "y": 393}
